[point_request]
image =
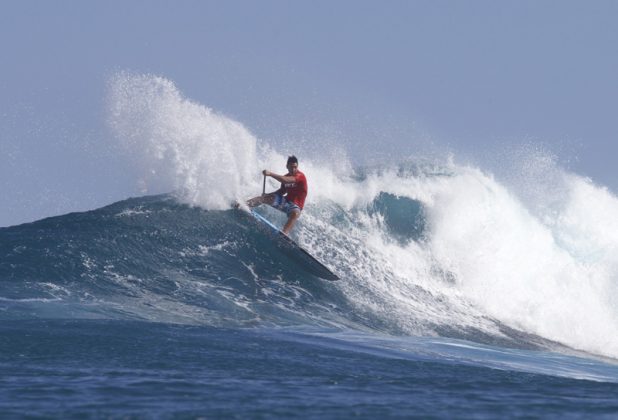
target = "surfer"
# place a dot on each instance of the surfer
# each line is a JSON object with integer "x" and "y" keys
{"x": 290, "y": 198}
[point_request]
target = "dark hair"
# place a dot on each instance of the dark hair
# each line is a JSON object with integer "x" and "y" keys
{"x": 292, "y": 159}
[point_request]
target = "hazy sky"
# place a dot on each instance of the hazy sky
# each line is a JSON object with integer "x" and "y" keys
{"x": 378, "y": 77}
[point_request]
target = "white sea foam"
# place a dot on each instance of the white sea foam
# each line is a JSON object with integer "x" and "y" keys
{"x": 533, "y": 274}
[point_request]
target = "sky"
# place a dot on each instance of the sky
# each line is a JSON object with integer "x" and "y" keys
{"x": 382, "y": 79}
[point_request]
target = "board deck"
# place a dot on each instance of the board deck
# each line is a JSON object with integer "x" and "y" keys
{"x": 295, "y": 251}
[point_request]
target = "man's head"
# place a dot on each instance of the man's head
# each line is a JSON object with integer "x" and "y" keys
{"x": 292, "y": 164}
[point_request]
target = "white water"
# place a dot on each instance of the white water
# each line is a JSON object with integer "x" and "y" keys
{"x": 539, "y": 255}
{"x": 179, "y": 144}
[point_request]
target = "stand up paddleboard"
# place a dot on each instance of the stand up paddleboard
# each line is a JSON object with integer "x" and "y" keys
{"x": 307, "y": 261}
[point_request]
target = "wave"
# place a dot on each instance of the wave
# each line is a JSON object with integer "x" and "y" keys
{"x": 422, "y": 249}
{"x": 157, "y": 258}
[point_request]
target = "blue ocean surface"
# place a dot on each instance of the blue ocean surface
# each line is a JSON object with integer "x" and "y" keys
{"x": 75, "y": 368}
{"x": 151, "y": 307}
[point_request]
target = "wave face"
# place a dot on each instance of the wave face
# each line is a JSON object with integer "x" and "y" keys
{"x": 422, "y": 249}
{"x": 152, "y": 258}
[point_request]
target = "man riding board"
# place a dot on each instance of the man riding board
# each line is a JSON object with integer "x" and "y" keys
{"x": 290, "y": 198}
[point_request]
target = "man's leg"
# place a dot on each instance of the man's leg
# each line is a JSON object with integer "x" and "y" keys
{"x": 261, "y": 199}
{"x": 292, "y": 218}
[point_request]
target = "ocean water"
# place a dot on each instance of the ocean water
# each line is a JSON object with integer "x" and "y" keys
{"x": 463, "y": 293}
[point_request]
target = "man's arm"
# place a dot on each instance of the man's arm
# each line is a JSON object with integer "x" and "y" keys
{"x": 284, "y": 179}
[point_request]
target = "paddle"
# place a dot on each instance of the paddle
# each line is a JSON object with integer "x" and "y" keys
{"x": 264, "y": 186}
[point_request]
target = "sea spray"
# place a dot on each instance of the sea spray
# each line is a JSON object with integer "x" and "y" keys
{"x": 209, "y": 159}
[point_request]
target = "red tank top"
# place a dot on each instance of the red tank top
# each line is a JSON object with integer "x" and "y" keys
{"x": 296, "y": 191}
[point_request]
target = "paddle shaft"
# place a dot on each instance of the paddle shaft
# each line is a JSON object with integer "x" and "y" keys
{"x": 264, "y": 186}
